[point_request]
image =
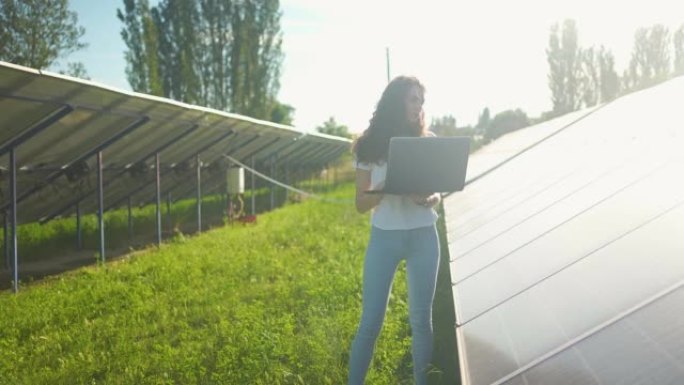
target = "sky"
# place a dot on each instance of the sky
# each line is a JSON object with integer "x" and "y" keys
{"x": 469, "y": 54}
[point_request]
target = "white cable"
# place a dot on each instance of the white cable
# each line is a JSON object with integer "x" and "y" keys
{"x": 288, "y": 187}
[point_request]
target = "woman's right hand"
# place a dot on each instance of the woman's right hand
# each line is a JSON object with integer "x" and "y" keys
{"x": 364, "y": 201}
{"x": 379, "y": 186}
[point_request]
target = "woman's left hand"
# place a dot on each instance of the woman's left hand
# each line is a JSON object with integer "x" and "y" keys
{"x": 425, "y": 200}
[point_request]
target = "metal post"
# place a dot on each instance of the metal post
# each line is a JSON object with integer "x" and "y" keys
{"x": 100, "y": 206}
{"x": 130, "y": 220}
{"x": 388, "y": 63}
{"x": 198, "y": 162}
{"x": 13, "y": 219}
{"x": 158, "y": 198}
{"x": 6, "y": 240}
{"x": 56, "y": 174}
{"x": 253, "y": 191}
{"x": 79, "y": 233}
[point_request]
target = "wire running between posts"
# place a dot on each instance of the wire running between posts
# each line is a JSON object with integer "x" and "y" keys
{"x": 286, "y": 186}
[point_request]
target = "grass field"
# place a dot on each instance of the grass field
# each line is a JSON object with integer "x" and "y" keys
{"x": 43, "y": 241}
{"x": 272, "y": 303}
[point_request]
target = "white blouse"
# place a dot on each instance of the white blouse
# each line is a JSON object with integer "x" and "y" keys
{"x": 396, "y": 212}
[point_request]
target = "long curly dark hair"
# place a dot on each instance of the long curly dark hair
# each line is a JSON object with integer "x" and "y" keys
{"x": 389, "y": 120}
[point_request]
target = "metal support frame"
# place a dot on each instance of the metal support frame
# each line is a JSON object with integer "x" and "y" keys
{"x": 190, "y": 190}
{"x": 238, "y": 145}
{"x": 158, "y": 197}
{"x": 198, "y": 164}
{"x": 304, "y": 148}
{"x": 79, "y": 230}
{"x": 202, "y": 149}
{"x": 305, "y": 153}
{"x": 330, "y": 156}
{"x": 294, "y": 146}
{"x": 267, "y": 145}
{"x": 253, "y": 191}
{"x": 13, "y": 219}
{"x": 326, "y": 158}
{"x": 161, "y": 148}
{"x": 100, "y": 206}
{"x": 277, "y": 149}
{"x": 313, "y": 157}
{"x": 52, "y": 177}
{"x": 295, "y": 174}
{"x": 6, "y": 240}
{"x": 49, "y": 120}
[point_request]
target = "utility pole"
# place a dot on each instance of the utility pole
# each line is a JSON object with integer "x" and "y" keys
{"x": 387, "y": 55}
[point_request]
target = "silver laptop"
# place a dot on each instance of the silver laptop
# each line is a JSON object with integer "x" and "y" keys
{"x": 425, "y": 165}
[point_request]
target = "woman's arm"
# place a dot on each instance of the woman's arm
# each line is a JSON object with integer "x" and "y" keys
{"x": 365, "y": 202}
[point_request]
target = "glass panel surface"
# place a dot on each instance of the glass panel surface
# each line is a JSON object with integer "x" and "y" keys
{"x": 646, "y": 347}
{"x": 568, "y": 236}
{"x": 18, "y": 115}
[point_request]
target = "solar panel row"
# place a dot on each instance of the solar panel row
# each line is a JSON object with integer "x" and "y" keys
{"x": 56, "y": 164}
{"x": 566, "y": 260}
{"x": 55, "y": 128}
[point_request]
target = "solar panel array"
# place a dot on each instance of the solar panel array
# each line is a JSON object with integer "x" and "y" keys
{"x": 57, "y": 125}
{"x": 72, "y": 146}
{"x": 567, "y": 260}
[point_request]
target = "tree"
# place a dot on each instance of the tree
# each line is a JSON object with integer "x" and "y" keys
{"x": 591, "y": 77}
{"x": 141, "y": 37}
{"x": 483, "y": 121}
{"x": 678, "y": 41}
{"x": 331, "y": 127}
{"x": 76, "y": 70}
{"x": 256, "y": 56}
{"x": 35, "y": 33}
{"x": 556, "y": 76}
{"x": 282, "y": 113}
{"x": 650, "y": 61}
{"x": 609, "y": 79}
{"x": 444, "y": 126}
{"x": 505, "y": 122}
{"x": 177, "y": 24}
{"x": 572, "y": 58}
{"x": 224, "y": 54}
{"x": 565, "y": 71}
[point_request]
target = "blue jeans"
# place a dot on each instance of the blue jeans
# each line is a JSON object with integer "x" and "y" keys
{"x": 420, "y": 248}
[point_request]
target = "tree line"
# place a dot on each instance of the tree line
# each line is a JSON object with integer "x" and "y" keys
{"x": 223, "y": 54}
{"x": 581, "y": 77}
{"x": 584, "y": 77}
{"x": 37, "y": 33}
{"x": 227, "y": 54}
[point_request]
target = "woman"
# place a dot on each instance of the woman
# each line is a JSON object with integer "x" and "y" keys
{"x": 403, "y": 227}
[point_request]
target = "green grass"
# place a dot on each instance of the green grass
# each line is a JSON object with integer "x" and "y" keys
{"x": 40, "y": 241}
{"x": 57, "y": 237}
{"x": 273, "y": 303}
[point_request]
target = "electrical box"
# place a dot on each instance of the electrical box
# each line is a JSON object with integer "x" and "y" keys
{"x": 236, "y": 180}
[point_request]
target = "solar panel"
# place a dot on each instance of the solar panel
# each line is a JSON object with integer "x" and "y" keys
{"x": 515, "y": 142}
{"x": 48, "y": 160}
{"x": 643, "y": 347}
{"x": 569, "y": 235}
